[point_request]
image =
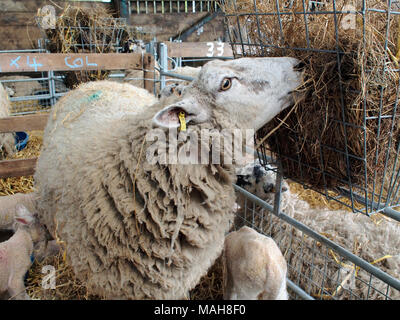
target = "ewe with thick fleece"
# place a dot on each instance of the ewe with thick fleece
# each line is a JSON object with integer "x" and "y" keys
{"x": 7, "y": 140}
{"x": 8, "y": 208}
{"x": 254, "y": 267}
{"x": 15, "y": 255}
{"x": 139, "y": 229}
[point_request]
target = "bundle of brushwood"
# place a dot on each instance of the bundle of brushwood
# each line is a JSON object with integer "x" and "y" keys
{"x": 92, "y": 30}
{"x": 346, "y": 129}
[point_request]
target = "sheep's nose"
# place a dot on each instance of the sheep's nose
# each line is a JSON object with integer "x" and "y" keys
{"x": 300, "y": 66}
{"x": 268, "y": 187}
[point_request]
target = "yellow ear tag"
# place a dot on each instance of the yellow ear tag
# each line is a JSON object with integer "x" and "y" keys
{"x": 182, "y": 120}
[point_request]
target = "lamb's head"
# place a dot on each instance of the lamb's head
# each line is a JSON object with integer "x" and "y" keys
{"x": 251, "y": 91}
{"x": 28, "y": 220}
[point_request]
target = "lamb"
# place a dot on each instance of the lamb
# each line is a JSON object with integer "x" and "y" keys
{"x": 254, "y": 267}
{"x": 372, "y": 240}
{"x": 143, "y": 229}
{"x": 8, "y": 211}
{"x": 7, "y": 140}
{"x": 15, "y": 256}
{"x": 177, "y": 88}
{"x": 174, "y": 89}
{"x": 26, "y": 86}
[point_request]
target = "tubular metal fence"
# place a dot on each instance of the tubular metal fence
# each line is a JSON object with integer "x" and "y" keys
{"x": 318, "y": 268}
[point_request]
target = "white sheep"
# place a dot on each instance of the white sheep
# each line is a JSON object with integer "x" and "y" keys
{"x": 8, "y": 205}
{"x": 7, "y": 140}
{"x": 135, "y": 228}
{"x": 353, "y": 231}
{"x": 24, "y": 86}
{"x": 177, "y": 88}
{"x": 15, "y": 256}
{"x": 8, "y": 213}
{"x": 254, "y": 267}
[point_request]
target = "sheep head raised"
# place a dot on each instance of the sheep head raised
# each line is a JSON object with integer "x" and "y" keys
{"x": 250, "y": 90}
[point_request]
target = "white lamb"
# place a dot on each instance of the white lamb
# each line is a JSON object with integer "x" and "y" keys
{"x": 8, "y": 208}
{"x": 7, "y": 140}
{"x": 254, "y": 267}
{"x": 8, "y": 213}
{"x": 15, "y": 255}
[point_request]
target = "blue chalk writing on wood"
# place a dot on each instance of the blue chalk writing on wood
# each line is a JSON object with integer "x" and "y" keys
{"x": 14, "y": 62}
{"x": 34, "y": 64}
{"x": 77, "y": 63}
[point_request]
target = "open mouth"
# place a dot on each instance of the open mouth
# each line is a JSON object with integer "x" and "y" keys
{"x": 174, "y": 116}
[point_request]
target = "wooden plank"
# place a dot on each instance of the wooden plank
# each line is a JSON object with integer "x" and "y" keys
{"x": 28, "y": 62}
{"x": 168, "y": 25}
{"x": 19, "y": 37}
{"x": 18, "y": 19}
{"x": 210, "y": 49}
{"x": 148, "y": 73}
{"x": 34, "y": 5}
{"x": 23, "y": 123}
{"x": 17, "y": 167}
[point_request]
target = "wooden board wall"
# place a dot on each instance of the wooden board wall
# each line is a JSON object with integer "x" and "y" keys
{"x": 17, "y": 23}
{"x": 169, "y": 25}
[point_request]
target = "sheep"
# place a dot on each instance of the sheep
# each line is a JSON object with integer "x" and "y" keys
{"x": 7, "y": 140}
{"x": 254, "y": 267}
{"x": 15, "y": 256}
{"x": 8, "y": 213}
{"x": 21, "y": 87}
{"x": 258, "y": 180}
{"x": 353, "y": 231}
{"x": 140, "y": 229}
{"x": 7, "y": 208}
{"x": 178, "y": 87}
{"x": 174, "y": 89}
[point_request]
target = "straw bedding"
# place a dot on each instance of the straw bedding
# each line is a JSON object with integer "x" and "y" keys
{"x": 358, "y": 84}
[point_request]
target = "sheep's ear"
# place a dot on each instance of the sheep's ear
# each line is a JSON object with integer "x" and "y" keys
{"x": 169, "y": 116}
{"x": 23, "y": 215}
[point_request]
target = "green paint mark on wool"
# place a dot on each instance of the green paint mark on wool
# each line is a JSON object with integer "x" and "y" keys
{"x": 94, "y": 96}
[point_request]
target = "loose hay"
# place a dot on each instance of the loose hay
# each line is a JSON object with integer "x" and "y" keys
{"x": 80, "y": 29}
{"x": 342, "y": 90}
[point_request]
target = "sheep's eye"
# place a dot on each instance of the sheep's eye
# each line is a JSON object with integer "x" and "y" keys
{"x": 178, "y": 92}
{"x": 226, "y": 84}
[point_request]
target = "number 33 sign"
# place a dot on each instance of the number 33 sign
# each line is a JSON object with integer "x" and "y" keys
{"x": 220, "y": 49}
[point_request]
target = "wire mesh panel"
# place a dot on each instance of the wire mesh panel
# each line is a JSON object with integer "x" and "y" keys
{"x": 86, "y": 30}
{"x": 318, "y": 267}
{"x": 343, "y": 138}
{"x": 31, "y": 92}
